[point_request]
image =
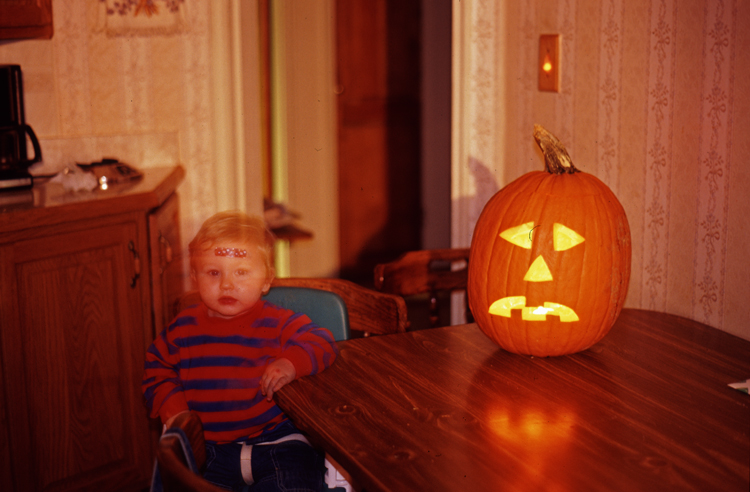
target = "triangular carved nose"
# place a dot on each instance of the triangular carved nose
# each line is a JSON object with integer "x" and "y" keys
{"x": 538, "y": 271}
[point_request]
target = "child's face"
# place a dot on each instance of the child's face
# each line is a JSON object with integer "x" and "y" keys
{"x": 231, "y": 278}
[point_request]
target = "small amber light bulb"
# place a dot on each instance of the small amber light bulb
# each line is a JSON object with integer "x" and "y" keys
{"x": 547, "y": 65}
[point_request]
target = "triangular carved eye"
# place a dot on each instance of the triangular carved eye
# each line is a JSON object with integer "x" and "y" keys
{"x": 565, "y": 238}
{"x": 519, "y": 235}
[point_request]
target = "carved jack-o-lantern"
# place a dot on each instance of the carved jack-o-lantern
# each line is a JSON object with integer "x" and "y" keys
{"x": 550, "y": 259}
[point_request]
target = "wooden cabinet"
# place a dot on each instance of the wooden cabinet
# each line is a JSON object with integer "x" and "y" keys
{"x": 82, "y": 278}
{"x": 23, "y": 19}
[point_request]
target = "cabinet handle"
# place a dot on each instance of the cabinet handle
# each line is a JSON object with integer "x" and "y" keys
{"x": 167, "y": 247}
{"x": 136, "y": 264}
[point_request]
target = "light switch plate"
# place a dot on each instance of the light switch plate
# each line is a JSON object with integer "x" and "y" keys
{"x": 549, "y": 62}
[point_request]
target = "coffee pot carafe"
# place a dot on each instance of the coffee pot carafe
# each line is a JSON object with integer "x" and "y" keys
{"x": 14, "y": 132}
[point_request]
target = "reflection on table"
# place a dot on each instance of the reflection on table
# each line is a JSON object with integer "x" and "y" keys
{"x": 647, "y": 408}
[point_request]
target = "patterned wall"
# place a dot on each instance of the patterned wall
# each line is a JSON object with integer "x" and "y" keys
{"x": 654, "y": 98}
{"x": 112, "y": 86}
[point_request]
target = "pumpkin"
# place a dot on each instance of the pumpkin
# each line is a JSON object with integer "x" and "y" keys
{"x": 550, "y": 259}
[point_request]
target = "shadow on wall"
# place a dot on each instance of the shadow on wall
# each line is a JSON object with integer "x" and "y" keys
{"x": 485, "y": 180}
{"x": 486, "y": 185}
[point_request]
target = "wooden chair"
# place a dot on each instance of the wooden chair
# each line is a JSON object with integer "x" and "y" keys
{"x": 429, "y": 271}
{"x": 173, "y": 464}
{"x": 370, "y": 312}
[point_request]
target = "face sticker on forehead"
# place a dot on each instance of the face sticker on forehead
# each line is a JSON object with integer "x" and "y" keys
{"x": 231, "y": 252}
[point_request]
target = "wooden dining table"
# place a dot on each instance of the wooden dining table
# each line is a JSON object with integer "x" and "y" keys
{"x": 648, "y": 408}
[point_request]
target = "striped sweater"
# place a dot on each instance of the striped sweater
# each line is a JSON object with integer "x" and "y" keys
{"x": 213, "y": 366}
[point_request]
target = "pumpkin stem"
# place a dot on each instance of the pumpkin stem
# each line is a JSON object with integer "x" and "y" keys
{"x": 556, "y": 158}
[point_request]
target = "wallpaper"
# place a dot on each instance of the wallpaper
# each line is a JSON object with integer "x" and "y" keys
{"x": 137, "y": 88}
{"x": 653, "y": 101}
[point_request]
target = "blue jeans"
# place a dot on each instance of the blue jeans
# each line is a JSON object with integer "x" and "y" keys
{"x": 286, "y": 466}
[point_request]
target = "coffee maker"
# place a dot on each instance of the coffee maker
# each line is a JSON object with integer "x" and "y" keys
{"x": 14, "y": 132}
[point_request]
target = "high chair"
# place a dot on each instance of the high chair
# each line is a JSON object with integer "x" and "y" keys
{"x": 338, "y": 305}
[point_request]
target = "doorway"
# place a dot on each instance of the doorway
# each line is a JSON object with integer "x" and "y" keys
{"x": 393, "y": 99}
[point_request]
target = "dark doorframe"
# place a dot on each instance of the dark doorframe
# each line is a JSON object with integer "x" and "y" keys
{"x": 379, "y": 122}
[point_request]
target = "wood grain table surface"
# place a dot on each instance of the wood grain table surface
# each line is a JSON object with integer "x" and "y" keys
{"x": 648, "y": 408}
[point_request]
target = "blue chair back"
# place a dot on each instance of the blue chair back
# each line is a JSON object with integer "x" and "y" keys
{"x": 326, "y": 309}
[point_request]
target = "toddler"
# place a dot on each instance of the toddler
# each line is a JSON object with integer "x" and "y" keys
{"x": 226, "y": 356}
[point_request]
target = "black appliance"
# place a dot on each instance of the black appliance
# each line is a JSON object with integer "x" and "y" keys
{"x": 14, "y": 132}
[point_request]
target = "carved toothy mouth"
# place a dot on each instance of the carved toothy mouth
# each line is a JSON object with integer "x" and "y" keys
{"x": 503, "y": 307}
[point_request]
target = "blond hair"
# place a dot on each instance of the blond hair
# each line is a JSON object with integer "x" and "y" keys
{"x": 235, "y": 226}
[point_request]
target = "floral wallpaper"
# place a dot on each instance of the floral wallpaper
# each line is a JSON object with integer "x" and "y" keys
{"x": 715, "y": 158}
{"x": 656, "y": 177}
{"x": 142, "y": 17}
{"x": 654, "y": 101}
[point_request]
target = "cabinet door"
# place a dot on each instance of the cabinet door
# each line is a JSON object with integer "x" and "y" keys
{"x": 166, "y": 262}
{"x": 21, "y": 19}
{"x": 72, "y": 354}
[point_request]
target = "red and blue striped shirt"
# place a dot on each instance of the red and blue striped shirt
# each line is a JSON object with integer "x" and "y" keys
{"x": 213, "y": 366}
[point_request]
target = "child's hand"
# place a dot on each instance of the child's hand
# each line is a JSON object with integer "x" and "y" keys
{"x": 278, "y": 373}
